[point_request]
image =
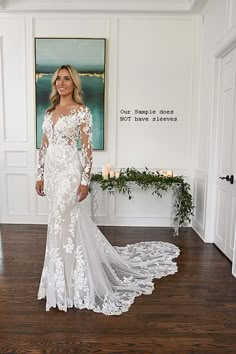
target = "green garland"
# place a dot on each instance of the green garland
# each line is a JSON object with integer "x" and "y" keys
{"x": 149, "y": 179}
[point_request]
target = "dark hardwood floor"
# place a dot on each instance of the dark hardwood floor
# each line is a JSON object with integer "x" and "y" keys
{"x": 193, "y": 311}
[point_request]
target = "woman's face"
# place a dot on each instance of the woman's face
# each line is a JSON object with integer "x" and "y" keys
{"x": 64, "y": 83}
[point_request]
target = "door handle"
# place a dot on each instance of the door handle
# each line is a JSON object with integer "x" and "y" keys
{"x": 228, "y": 179}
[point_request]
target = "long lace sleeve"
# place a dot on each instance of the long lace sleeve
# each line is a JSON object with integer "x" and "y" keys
{"x": 86, "y": 145}
{"x": 41, "y": 159}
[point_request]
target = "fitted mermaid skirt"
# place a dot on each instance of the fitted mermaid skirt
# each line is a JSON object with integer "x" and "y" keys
{"x": 81, "y": 268}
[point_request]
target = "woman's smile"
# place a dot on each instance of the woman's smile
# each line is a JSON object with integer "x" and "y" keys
{"x": 64, "y": 83}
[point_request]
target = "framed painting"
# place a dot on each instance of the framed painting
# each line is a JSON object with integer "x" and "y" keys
{"x": 87, "y": 55}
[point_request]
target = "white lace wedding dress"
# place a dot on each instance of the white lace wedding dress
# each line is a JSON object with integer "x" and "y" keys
{"x": 81, "y": 268}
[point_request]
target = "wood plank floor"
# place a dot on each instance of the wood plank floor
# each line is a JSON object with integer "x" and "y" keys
{"x": 193, "y": 311}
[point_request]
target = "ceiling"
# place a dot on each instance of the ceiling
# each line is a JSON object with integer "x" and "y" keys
{"x": 101, "y": 6}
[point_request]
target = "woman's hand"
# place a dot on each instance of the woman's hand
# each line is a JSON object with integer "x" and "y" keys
{"x": 40, "y": 188}
{"x": 82, "y": 192}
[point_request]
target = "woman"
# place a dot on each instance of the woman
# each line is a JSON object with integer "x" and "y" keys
{"x": 81, "y": 268}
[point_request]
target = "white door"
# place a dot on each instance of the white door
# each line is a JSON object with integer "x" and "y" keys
{"x": 226, "y": 152}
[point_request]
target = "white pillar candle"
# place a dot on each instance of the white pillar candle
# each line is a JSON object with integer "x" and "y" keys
{"x": 108, "y": 167}
{"x": 105, "y": 175}
{"x": 117, "y": 174}
{"x": 112, "y": 173}
{"x": 104, "y": 170}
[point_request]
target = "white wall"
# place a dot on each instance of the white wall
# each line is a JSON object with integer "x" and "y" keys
{"x": 219, "y": 24}
{"x": 152, "y": 63}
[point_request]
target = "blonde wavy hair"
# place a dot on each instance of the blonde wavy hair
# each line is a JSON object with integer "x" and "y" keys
{"x": 77, "y": 94}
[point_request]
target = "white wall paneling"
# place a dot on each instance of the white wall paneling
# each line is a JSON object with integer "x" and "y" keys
{"x": 199, "y": 202}
{"x": 80, "y": 26}
{"x": 17, "y": 194}
{"x": 151, "y": 62}
{"x": 213, "y": 31}
{"x": 195, "y": 94}
{"x": 111, "y": 107}
{"x": 16, "y": 159}
{"x": 41, "y": 208}
{"x": 168, "y": 61}
{"x": 2, "y": 129}
{"x": 13, "y": 78}
{"x": 14, "y": 149}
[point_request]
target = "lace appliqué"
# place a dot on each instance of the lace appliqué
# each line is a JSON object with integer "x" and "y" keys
{"x": 65, "y": 133}
{"x": 86, "y": 146}
{"x": 41, "y": 159}
{"x": 79, "y": 282}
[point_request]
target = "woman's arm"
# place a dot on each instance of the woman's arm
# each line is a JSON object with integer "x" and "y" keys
{"x": 41, "y": 160}
{"x": 86, "y": 150}
{"x": 40, "y": 170}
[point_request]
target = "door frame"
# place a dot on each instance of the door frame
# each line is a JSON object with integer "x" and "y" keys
{"x": 222, "y": 49}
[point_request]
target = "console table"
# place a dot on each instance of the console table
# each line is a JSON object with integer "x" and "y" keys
{"x": 175, "y": 204}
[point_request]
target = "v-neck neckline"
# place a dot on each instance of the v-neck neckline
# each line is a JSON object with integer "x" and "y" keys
{"x": 60, "y": 116}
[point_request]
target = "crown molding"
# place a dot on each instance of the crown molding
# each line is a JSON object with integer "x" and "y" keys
{"x": 197, "y": 6}
{"x": 101, "y": 6}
